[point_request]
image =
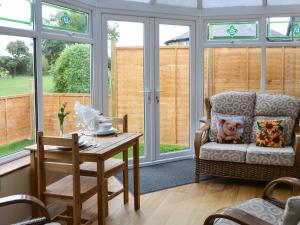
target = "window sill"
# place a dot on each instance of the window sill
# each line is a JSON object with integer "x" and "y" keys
{"x": 14, "y": 165}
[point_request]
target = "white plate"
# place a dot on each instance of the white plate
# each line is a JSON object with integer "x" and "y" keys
{"x": 107, "y": 132}
{"x": 81, "y": 142}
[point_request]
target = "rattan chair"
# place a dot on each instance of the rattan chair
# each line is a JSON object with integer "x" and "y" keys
{"x": 32, "y": 201}
{"x": 265, "y": 211}
{"x": 237, "y": 169}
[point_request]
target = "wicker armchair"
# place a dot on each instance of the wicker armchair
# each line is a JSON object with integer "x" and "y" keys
{"x": 264, "y": 211}
{"x": 259, "y": 168}
{"x": 26, "y": 199}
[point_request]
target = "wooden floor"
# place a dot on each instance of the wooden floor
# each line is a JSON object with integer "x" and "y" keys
{"x": 184, "y": 205}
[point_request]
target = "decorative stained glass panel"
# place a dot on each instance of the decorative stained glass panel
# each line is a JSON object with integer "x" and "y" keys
{"x": 61, "y": 18}
{"x": 247, "y": 30}
{"x": 283, "y": 29}
{"x": 17, "y": 17}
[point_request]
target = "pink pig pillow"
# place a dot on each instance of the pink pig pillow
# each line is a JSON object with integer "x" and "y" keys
{"x": 230, "y": 129}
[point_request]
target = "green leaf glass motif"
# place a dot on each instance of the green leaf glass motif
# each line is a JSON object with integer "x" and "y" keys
{"x": 296, "y": 30}
{"x": 65, "y": 19}
{"x": 232, "y": 30}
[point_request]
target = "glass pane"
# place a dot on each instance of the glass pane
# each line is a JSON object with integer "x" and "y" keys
{"x": 283, "y": 70}
{"x": 17, "y": 118}
{"x": 60, "y": 18}
{"x": 283, "y": 29}
{"x": 16, "y": 17}
{"x": 230, "y": 3}
{"x": 126, "y": 74}
{"x": 283, "y": 2}
{"x": 66, "y": 79}
{"x": 233, "y": 30}
{"x": 231, "y": 69}
{"x": 174, "y": 81}
{"x": 186, "y": 3}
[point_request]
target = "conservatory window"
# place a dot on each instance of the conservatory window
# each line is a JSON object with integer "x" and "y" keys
{"x": 230, "y": 3}
{"x": 186, "y": 3}
{"x": 241, "y": 30}
{"x": 16, "y": 17}
{"x": 283, "y": 29}
{"x": 283, "y": 2}
{"x": 66, "y": 19}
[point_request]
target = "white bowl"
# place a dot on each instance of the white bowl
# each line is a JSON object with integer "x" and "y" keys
{"x": 105, "y": 127}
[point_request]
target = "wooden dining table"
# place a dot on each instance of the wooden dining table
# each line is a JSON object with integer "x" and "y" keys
{"x": 108, "y": 147}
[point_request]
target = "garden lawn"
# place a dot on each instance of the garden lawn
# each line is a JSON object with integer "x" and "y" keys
{"x": 15, "y": 147}
{"x": 22, "y": 84}
{"x": 164, "y": 148}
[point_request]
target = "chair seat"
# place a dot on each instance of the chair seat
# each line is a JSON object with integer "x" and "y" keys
{"x": 258, "y": 208}
{"x": 224, "y": 152}
{"x": 270, "y": 156}
{"x": 64, "y": 187}
{"x": 109, "y": 165}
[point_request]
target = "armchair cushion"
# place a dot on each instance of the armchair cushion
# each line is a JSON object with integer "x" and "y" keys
{"x": 291, "y": 214}
{"x": 213, "y": 134}
{"x": 232, "y": 104}
{"x": 276, "y": 105}
{"x": 223, "y": 152}
{"x": 288, "y": 127}
{"x": 259, "y": 208}
{"x": 270, "y": 156}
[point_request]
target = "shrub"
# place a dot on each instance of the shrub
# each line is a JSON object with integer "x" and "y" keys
{"x": 71, "y": 71}
{"x": 4, "y": 74}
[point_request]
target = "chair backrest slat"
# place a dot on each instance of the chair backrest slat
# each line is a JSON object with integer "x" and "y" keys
{"x": 58, "y": 167}
{"x": 57, "y": 141}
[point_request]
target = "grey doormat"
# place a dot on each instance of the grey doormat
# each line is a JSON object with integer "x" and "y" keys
{"x": 164, "y": 176}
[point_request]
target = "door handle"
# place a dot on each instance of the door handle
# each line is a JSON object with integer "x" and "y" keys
{"x": 157, "y": 99}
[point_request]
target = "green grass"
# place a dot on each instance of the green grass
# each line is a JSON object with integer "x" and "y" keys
{"x": 164, "y": 148}
{"x": 22, "y": 84}
{"x": 15, "y": 147}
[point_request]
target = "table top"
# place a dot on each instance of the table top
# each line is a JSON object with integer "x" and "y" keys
{"x": 108, "y": 145}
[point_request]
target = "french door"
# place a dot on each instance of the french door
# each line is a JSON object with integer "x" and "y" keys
{"x": 148, "y": 74}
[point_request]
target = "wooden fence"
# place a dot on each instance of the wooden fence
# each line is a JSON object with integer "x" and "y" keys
{"x": 225, "y": 69}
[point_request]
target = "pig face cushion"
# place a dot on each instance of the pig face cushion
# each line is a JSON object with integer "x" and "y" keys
{"x": 231, "y": 129}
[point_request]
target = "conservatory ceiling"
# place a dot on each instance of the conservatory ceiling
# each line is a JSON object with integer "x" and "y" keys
{"x": 218, "y": 3}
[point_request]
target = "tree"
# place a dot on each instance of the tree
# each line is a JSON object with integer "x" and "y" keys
{"x": 71, "y": 71}
{"x": 52, "y": 49}
{"x": 20, "y": 56}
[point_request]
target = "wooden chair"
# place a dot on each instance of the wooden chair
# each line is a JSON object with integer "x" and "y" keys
{"x": 264, "y": 211}
{"x": 112, "y": 166}
{"x": 34, "y": 202}
{"x": 72, "y": 190}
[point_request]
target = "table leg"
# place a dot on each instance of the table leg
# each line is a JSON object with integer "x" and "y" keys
{"x": 33, "y": 180}
{"x": 101, "y": 192}
{"x": 136, "y": 175}
{"x": 125, "y": 176}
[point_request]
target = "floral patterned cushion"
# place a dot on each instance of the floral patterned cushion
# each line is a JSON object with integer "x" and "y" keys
{"x": 276, "y": 105}
{"x": 291, "y": 213}
{"x": 259, "y": 208}
{"x": 288, "y": 127}
{"x": 270, "y": 156}
{"x": 224, "y": 152}
{"x": 270, "y": 133}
